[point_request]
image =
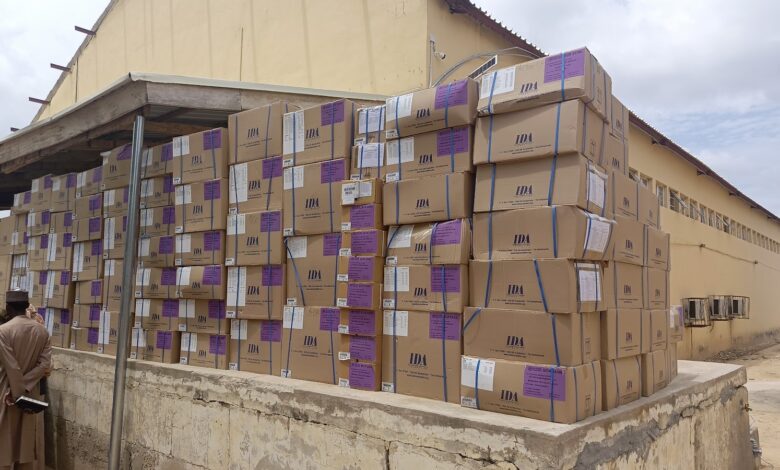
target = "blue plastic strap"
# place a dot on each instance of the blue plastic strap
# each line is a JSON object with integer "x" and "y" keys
{"x": 295, "y": 271}
{"x": 235, "y": 148}
{"x": 397, "y": 202}
{"x": 332, "y": 356}
{"x": 395, "y": 353}
{"x": 576, "y": 396}
{"x": 447, "y": 194}
{"x": 488, "y": 284}
{"x": 595, "y": 384}
{"x": 587, "y": 235}
{"x": 397, "y": 127}
{"x": 433, "y": 236}
{"x": 490, "y": 97}
{"x": 267, "y": 129}
{"x": 472, "y": 318}
{"x": 447, "y": 105}
{"x": 617, "y": 383}
{"x": 563, "y": 76}
{"x": 444, "y": 352}
{"x": 490, "y": 139}
{"x": 476, "y": 383}
{"x": 330, "y": 175}
{"x": 289, "y": 342}
{"x": 555, "y": 341}
{"x": 555, "y": 156}
{"x": 555, "y": 230}
{"x": 552, "y": 388}
{"x": 452, "y": 150}
{"x": 294, "y": 132}
{"x": 335, "y": 280}
{"x": 541, "y": 285}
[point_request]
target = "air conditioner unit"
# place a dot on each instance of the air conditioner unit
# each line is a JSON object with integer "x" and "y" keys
{"x": 719, "y": 307}
{"x": 739, "y": 307}
{"x": 696, "y": 311}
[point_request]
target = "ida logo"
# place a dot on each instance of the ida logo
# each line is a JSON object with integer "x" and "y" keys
{"x": 418, "y": 360}
{"x": 202, "y": 318}
{"x": 626, "y": 289}
{"x": 626, "y": 202}
{"x": 423, "y": 113}
{"x": 252, "y": 290}
{"x": 629, "y": 337}
{"x": 310, "y": 341}
{"x": 508, "y": 395}
{"x": 201, "y": 353}
{"x": 253, "y": 348}
{"x": 420, "y": 247}
{"x": 524, "y": 190}
{"x": 420, "y": 292}
{"x": 197, "y": 251}
{"x": 315, "y": 275}
{"x": 196, "y": 160}
{"x": 657, "y": 293}
{"x": 615, "y": 163}
{"x": 155, "y": 316}
{"x": 255, "y": 185}
{"x": 629, "y": 385}
{"x": 514, "y": 289}
{"x": 658, "y": 252}
{"x": 515, "y": 341}
{"x": 313, "y": 133}
{"x": 629, "y": 245}
{"x": 252, "y": 241}
{"x": 118, "y": 290}
{"x": 312, "y": 203}
{"x": 658, "y": 334}
{"x": 524, "y": 138}
{"x": 521, "y": 239}
{"x": 252, "y": 133}
{"x": 423, "y": 203}
{"x": 197, "y": 209}
{"x": 149, "y": 348}
{"x": 529, "y": 87}
{"x": 425, "y": 159}
{"x": 195, "y": 285}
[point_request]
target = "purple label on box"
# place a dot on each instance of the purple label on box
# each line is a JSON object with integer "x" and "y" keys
{"x": 97, "y": 248}
{"x": 70, "y": 180}
{"x": 331, "y": 242}
{"x": 167, "y": 152}
{"x": 42, "y": 277}
{"x": 332, "y": 171}
{"x": 169, "y": 215}
{"x": 270, "y": 221}
{"x": 272, "y": 168}
{"x": 167, "y": 184}
{"x": 362, "y": 322}
{"x": 211, "y": 190}
{"x": 360, "y": 268}
{"x": 362, "y": 348}
{"x": 447, "y": 323}
{"x": 68, "y": 222}
{"x": 97, "y": 175}
{"x": 361, "y": 375}
{"x": 364, "y": 243}
{"x": 27, "y": 197}
{"x": 124, "y": 195}
{"x": 212, "y": 139}
{"x": 45, "y": 217}
{"x": 170, "y": 308}
{"x": 272, "y": 276}
{"x": 125, "y": 152}
{"x": 271, "y": 330}
{"x": 574, "y": 63}
{"x": 445, "y": 278}
{"x": 216, "y": 309}
{"x": 452, "y": 141}
{"x": 47, "y": 182}
{"x": 164, "y": 340}
{"x": 94, "y": 224}
{"x": 96, "y": 288}
{"x": 447, "y": 233}
{"x": 166, "y": 246}
{"x": 67, "y": 240}
{"x": 332, "y": 113}
{"x": 25, "y": 238}
{"x": 65, "y": 317}
{"x": 212, "y": 275}
{"x": 451, "y": 94}
{"x": 44, "y": 241}
{"x": 168, "y": 277}
{"x": 211, "y": 241}
{"x": 329, "y": 319}
{"x": 92, "y": 336}
{"x": 94, "y": 312}
{"x": 64, "y": 278}
{"x": 217, "y": 345}
{"x": 359, "y": 295}
{"x": 95, "y": 202}
{"x": 544, "y": 382}
{"x": 362, "y": 216}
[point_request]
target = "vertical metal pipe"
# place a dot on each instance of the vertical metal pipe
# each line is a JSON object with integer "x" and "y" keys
{"x": 128, "y": 285}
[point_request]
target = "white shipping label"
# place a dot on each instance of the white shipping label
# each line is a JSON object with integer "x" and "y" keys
{"x": 297, "y": 247}
{"x": 147, "y": 187}
{"x": 293, "y": 131}
{"x": 469, "y": 372}
{"x": 184, "y": 243}
{"x": 186, "y": 308}
{"x": 50, "y": 286}
{"x": 598, "y": 233}
{"x": 590, "y": 285}
{"x": 236, "y": 287}
{"x": 139, "y": 338}
{"x": 365, "y": 189}
{"x": 143, "y": 247}
{"x": 596, "y": 185}
{"x": 35, "y": 185}
{"x": 293, "y": 318}
{"x": 56, "y": 184}
{"x": 371, "y": 155}
{"x": 398, "y": 107}
{"x": 81, "y": 179}
{"x": 504, "y": 82}
{"x": 397, "y": 278}
{"x": 400, "y": 150}
{"x": 143, "y": 276}
{"x": 238, "y": 330}
{"x": 371, "y": 119}
{"x": 349, "y": 192}
{"x": 31, "y": 219}
{"x": 51, "y": 251}
{"x": 147, "y": 217}
{"x": 15, "y": 238}
{"x": 109, "y": 198}
{"x": 239, "y": 183}
{"x": 109, "y": 269}
{"x": 78, "y": 257}
{"x": 142, "y": 307}
{"x": 293, "y": 178}
{"x": 183, "y": 276}
{"x": 189, "y": 342}
{"x": 104, "y": 328}
{"x": 236, "y": 224}
{"x": 401, "y": 237}
{"x": 183, "y": 194}
{"x": 109, "y": 228}
{"x": 49, "y": 321}
{"x": 146, "y": 157}
{"x": 181, "y": 146}
{"x": 399, "y": 318}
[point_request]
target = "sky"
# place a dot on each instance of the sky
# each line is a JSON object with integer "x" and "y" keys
{"x": 703, "y": 72}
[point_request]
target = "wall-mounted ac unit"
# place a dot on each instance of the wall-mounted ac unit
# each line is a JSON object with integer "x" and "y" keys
{"x": 739, "y": 307}
{"x": 696, "y": 311}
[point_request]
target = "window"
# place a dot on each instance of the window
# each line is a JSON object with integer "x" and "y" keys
{"x": 694, "y": 212}
{"x": 703, "y": 214}
{"x": 712, "y": 217}
{"x": 633, "y": 174}
{"x": 685, "y": 206}
{"x": 646, "y": 181}
{"x": 660, "y": 191}
{"x": 718, "y": 221}
{"x": 674, "y": 200}
{"x": 726, "y": 224}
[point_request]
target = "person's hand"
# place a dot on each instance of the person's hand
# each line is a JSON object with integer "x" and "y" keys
{"x": 8, "y": 400}
{"x": 32, "y": 313}
{"x": 47, "y": 372}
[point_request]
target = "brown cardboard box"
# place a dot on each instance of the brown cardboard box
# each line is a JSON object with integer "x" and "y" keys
{"x": 116, "y": 167}
{"x": 629, "y": 241}
{"x": 201, "y": 282}
{"x": 157, "y": 314}
{"x": 38, "y": 282}
{"x": 361, "y": 269}
{"x": 657, "y": 334}
{"x": 256, "y": 133}
{"x": 157, "y": 221}
{"x": 656, "y": 288}
{"x": 623, "y": 196}
{"x": 431, "y": 199}
{"x": 371, "y": 242}
{"x": 89, "y": 182}
{"x": 22, "y": 203}
{"x": 534, "y": 337}
{"x": 88, "y": 260}
{"x": 108, "y": 333}
{"x": 256, "y": 186}
{"x": 363, "y": 295}
{"x": 61, "y": 222}
{"x": 370, "y": 124}
{"x": 201, "y": 156}
{"x": 57, "y": 323}
{"x": 412, "y": 244}
{"x": 256, "y": 292}
{"x": 556, "y": 129}
{"x": 19, "y": 264}
{"x": 37, "y": 252}
{"x": 354, "y": 347}
{"x": 59, "y": 290}
{"x": 308, "y": 337}
{"x": 201, "y": 206}
{"x": 157, "y": 160}
{"x": 200, "y": 248}
{"x": 38, "y": 222}
{"x": 361, "y": 191}
{"x": 86, "y": 315}
{"x": 569, "y": 75}
{"x": 6, "y": 235}
{"x": 6, "y": 271}
{"x": 625, "y": 333}
{"x": 547, "y": 393}
{"x": 623, "y": 285}
{"x": 615, "y": 157}
{"x": 619, "y": 116}
{"x": 203, "y": 316}
{"x": 156, "y": 346}
{"x": 322, "y": 132}
{"x": 655, "y": 373}
{"x": 312, "y": 196}
{"x": 657, "y": 248}
{"x": 156, "y": 283}
{"x": 676, "y": 325}
{"x": 114, "y": 236}
{"x": 418, "y": 359}
{"x": 361, "y": 217}
{"x": 360, "y": 375}
{"x": 157, "y": 191}
{"x": 360, "y": 322}
{"x": 551, "y": 285}
{"x": 63, "y": 192}
{"x": 542, "y": 232}
{"x": 60, "y": 254}
{"x": 40, "y": 193}
{"x": 448, "y": 105}
{"x": 88, "y": 292}
{"x": 368, "y": 160}
{"x": 88, "y": 207}
{"x": 204, "y": 350}
{"x": 84, "y": 339}
{"x": 522, "y": 184}
{"x": 255, "y": 239}
{"x": 671, "y": 358}
{"x": 157, "y": 252}
{"x": 88, "y": 229}
{"x": 621, "y": 381}
{"x": 440, "y": 288}
{"x": 256, "y": 346}
{"x": 647, "y": 207}
{"x": 19, "y": 237}
{"x": 112, "y": 284}
{"x": 311, "y": 269}
{"x": 23, "y": 282}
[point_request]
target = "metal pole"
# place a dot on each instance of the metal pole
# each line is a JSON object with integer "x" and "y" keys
{"x": 128, "y": 284}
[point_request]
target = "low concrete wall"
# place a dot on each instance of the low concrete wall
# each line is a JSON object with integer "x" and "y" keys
{"x": 183, "y": 417}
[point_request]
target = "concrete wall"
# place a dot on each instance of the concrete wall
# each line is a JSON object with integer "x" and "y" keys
{"x": 180, "y": 417}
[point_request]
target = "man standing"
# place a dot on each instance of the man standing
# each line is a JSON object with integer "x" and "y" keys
{"x": 25, "y": 358}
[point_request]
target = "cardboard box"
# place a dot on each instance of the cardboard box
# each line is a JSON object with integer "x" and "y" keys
{"x": 360, "y": 322}
{"x": 61, "y": 222}
{"x": 360, "y": 375}
{"x": 86, "y": 315}
{"x": 657, "y": 248}
{"x": 256, "y": 186}
{"x": 448, "y": 105}
{"x": 108, "y": 332}
{"x": 157, "y": 160}
{"x": 619, "y": 118}
{"x": 431, "y": 199}
{"x": 157, "y": 191}
{"x": 547, "y": 393}
{"x": 256, "y": 133}
{"x": 37, "y": 252}
{"x": 63, "y": 192}
{"x": 156, "y": 346}
{"x": 19, "y": 236}
{"x": 629, "y": 241}
{"x": 624, "y": 333}
{"x": 655, "y": 372}
{"x": 648, "y": 211}
{"x": 59, "y": 290}
{"x": 201, "y": 282}
{"x": 112, "y": 284}
{"x": 621, "y": 381}
{"x": 312, "y": 195}
{"x": 88, "y": 207}
{"x": 89, "y": 182}
{"x": 623, "y": 196}
{"x": 114, "y": 236}
{"x": 658, "y": 333}
{"x": 84, "y": 339}
{"x": 201, "y": 206}
{"x": 371, "y": 242}
{"x": 199, "y": 157}
{"x": 370, "y": 124}
{"x": 570, "y": 75}
{"x": 368, "y": 160}
{"x": 38, "y": 223}
{"x": 57, "y": 323}
{"x": 157, "y": 314}
{"x": 256, "y": 346}
{"x": 19, "y": 264}
{"x": 308, "y": 337}
{"x": 363, "y": 295}
{"x": 200, "y": 248}
{"x": 551, "y": 285}
{"x": 441, "y": 288}
{"x": 542, "y": 232}
{"x": 156, "y": 283}
{"x": 615, "y": 154}
{"x": 116, "y": 167}
{"x": 6, "y": 271}
{"x": 88, "y": 292}
{"x": 360, "y": 269}
{"x": 256, "y": 292}
{"x": 6, "y": 235}
{"x": 203, "y": 316}
{"x": 157, "y": 252}
{"x": 533, "y": 337}
{"x": 60, "y": 254}
{"x": 23, "y": 282}
{"x": 322, "y": 132}
{"x": 88, "y": 229}
{"x": 623, "y": 285}
{"x": 430, "y": 243}
{"x": 656, "y": 288}
{"x": 361, "y": 191}
{"x": 354, "y": 347}
{"x": 671, "y": 359}
{"x": 38, "y": 280}
{"x": 88, "y": 260}
{"x": 255, "y": 239}
{"x": 157, "y": 221}
{"x": 576, "y": 182}
{"x": 556, "y": 129}
{"x": 676, "y": 325}
{"x": 21, "y": 202}
{"x": 311, "y": 269}
{"x": 361, "y": 217}
{"x": 204, "y": 350}
{"x": 40, "y": 193}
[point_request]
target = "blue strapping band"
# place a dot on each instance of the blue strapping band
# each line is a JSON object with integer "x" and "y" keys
{"x": 595, "y": 391}
{"x": 541, "y": 285}
{"x": 289, "y": 342}
{"x": 397, "y": 127}
{"x": 295, "y": 271}
{"x": 397, "y": 202}
{"x": 433, "y": 235}
{"x": 490, "y": 139}
{"x": 476, "y": 383}
{"x": 472, "y": 318}
{"x": 587, "y": 235}
{"x": 452, "y": 150}
{"x": 235, "y": 149}
{"x": 488, "y": 284}
{"x": 447, "y": 105}
{"x": 555, "y": 156}
{"x": 490, "y": 97}
{"x": 447, "y": 194}
{"x": 330, "y": 175}
{"x": 267, "y": 128}
{"x": 395, "y": 355}
{"x": 555, "y": 340}
{"x": 552, "y": 388}
{"x": 563, "y": 76}
{"x": 555, "y": 230}
{"x": 576, "y": 401}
